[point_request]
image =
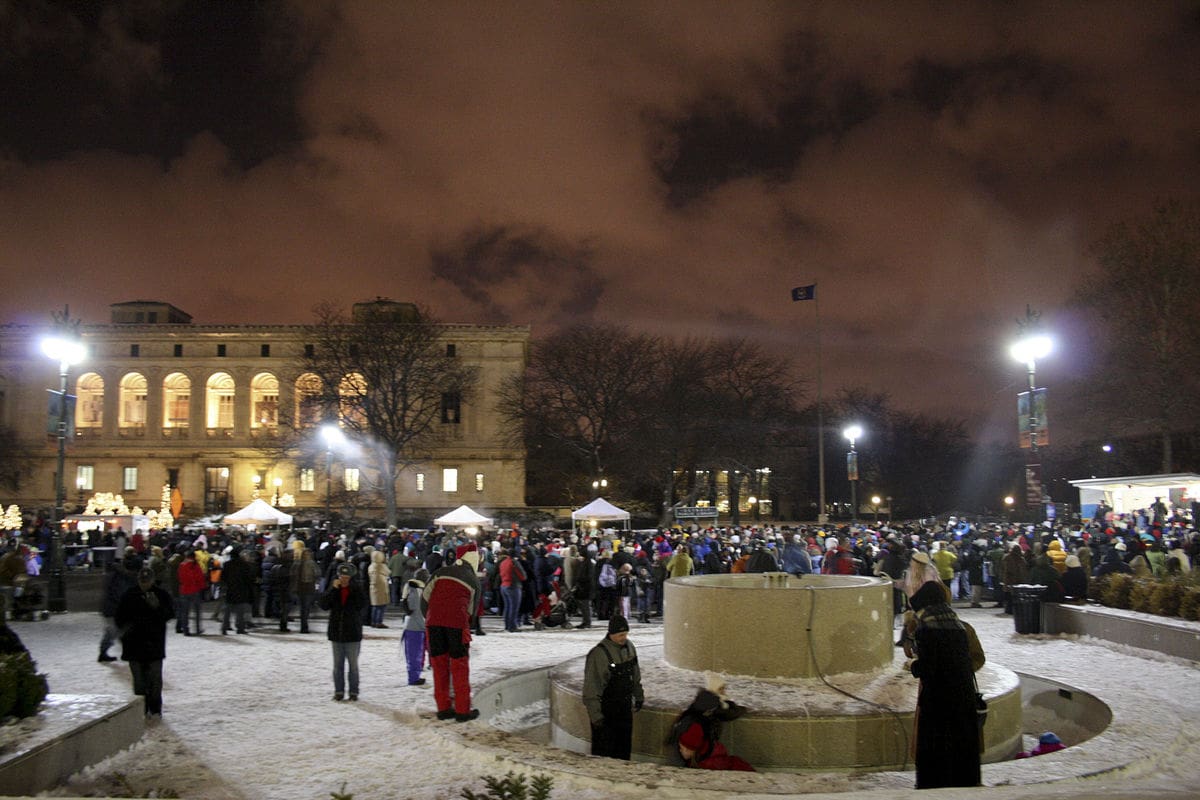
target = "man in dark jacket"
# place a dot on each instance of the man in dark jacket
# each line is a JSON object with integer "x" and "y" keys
{"x": 345, "y": 601}
{"x": 121, "y": 577}
{"x": 282, "y": 584}
{"x": 612, "y": 691}
{"x": 238, "y": 577}
{"x": 142, "y": 615}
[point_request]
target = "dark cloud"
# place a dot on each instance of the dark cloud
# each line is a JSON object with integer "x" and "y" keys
{"x": 487, "y": 264}
{"x": 145, "y": 78}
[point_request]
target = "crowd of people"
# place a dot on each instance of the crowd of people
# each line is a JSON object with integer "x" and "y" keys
{"x": 438, "y": 584}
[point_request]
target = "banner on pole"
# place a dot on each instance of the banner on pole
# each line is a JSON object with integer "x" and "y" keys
{"x": 852, "y": 466}
{"x": 1033, "y": 485}
{"x": 1026, "y": 417}
{"x": 55, "y": 412}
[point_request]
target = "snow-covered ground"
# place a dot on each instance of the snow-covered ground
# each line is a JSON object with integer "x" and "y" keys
{"x": 253, "y": 717}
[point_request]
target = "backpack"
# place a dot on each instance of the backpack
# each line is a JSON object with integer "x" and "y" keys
{"x": 608, "y": 576}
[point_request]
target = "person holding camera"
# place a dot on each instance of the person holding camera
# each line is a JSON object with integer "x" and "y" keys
{"x": 345, "y": 602}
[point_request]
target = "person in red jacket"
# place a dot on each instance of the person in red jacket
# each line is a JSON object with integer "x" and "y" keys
{"x": 449, "y": 601}
{"x": 701, "y": 752}
{"x": 192, "y": 583}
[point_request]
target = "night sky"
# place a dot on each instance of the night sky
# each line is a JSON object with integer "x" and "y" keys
{"x": 676, "y": 167}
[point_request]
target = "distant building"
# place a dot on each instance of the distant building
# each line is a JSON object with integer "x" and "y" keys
{"x": 161, "y": 400}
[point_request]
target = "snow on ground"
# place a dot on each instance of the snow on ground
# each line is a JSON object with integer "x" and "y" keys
{"x": 252, "y": 717}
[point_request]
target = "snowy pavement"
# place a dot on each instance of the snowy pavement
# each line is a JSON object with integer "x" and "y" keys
{"x": 252, "y": 717}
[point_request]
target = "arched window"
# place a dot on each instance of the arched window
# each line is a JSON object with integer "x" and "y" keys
{"x": 308, "y": 400}
{"x": 89, "y": 401}
{"x": 177, "y": 400}
{"x": 352, "y": 392}
{"x": 132, "y": 409}
{"x": 264, "y": 401}
{"x": 218, "y": 402}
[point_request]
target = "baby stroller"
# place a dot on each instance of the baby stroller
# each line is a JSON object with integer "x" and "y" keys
{"x": 28, "y": 600}
{"x": 551, "y": 611}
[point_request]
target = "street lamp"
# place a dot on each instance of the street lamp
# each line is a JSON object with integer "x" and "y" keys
{"x": 257, "y": 479}
{"x": 333, "y": 438}
{"x": 1033, "y": 345}
{"x": 275, "y": 497}
{"x": 875, "y": 501}
{"x": 853, "y": 433}
{"x": 66, "y": 350}
{"x": 1008, "y": 506}
{"x": 598, "y": 484}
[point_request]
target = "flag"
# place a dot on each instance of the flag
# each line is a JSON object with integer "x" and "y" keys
{"x": 805, "y": 292}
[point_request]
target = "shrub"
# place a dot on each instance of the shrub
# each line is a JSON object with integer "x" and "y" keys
{"x": 512, "y": 787}
{"x": 1116, "y": 592}
{"x": 1139, "y": 596}
{"x": 1189, "y": 604}
{"x": 1166, "y": 597}
{"x": 23, "y": 688}
{"x": 1096, "y": 589}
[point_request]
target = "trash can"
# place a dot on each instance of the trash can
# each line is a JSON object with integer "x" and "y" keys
{"x": 1027, "y": 608}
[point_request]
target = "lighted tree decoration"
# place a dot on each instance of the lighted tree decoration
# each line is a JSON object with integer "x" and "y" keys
{"x": 11, "y": 520}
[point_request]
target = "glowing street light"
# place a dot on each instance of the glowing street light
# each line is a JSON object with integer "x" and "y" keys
{"x": 67, "y": 350}
{"x": 333, "y": 436}
{"x": 853, "y": 433}
{"x": 875, "y": 501}
{"x": 1028, "y": 350}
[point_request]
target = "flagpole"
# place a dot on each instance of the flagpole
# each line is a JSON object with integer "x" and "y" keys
{"x": 822, "y": 518}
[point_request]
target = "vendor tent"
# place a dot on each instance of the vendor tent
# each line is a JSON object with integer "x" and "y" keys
{"x": 260, "y": 512}
{"x": 600, "y": 510}
{"x": 1127, "y": 494}
{"x": 462, "y": 517}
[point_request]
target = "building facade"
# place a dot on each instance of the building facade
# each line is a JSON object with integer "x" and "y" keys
{"x": 161, "y": 400}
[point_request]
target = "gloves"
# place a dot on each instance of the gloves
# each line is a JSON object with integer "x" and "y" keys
{"x": 637, "y": 705}
{"x": 151, "y": 599}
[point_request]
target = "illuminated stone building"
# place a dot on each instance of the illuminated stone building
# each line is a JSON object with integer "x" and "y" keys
{"x": 164, "y": 400}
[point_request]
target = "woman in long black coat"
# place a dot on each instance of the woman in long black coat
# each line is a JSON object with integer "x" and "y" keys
{"x": 947, "y": 733}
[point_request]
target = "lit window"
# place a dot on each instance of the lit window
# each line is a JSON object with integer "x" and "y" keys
{"x": 420, "y": 481}
{"x": 451, "y": 407}
{"x": 85, "y": 475}
{"x": 350, "y": 479}
{"x": 479, "y": 481}
{"x": 308, "y": 479}
{"x": 450, "y": 480}
{"x": 129, "y": 484}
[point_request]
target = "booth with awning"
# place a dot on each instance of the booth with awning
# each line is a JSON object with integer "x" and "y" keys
{"x": 600, "y": 510}
{"x": 463, "y": 517}
{"x": 259, "y": 513}
{"x": 1130, "y": 493}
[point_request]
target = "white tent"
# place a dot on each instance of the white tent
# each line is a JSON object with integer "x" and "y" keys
{"x": 600, "y": 509}
{"x": 463, "y": 517}
{"x": 260, "y": 512}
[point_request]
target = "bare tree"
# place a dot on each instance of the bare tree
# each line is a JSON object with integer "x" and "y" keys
{"x": 582, "y": 394}
{"x": 1146, "y": 299}
{"x": 386, "y": 377}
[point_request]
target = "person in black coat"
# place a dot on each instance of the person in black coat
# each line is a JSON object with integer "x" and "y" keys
{"x": 947, "y": 731}
{"x": 142, "y": 617}
{"x": 238, "y": 578}
{"x": 582, "y": 588}
{"x": 345, "y": 601}
{"x": 121, "y": 577}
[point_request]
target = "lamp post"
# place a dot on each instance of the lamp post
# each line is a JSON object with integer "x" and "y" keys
{"x": 1032, "y": 345}
{"x": 66, "y": 349}
{"x": 598, "y": 484}
{"x": 257, "y": 480}
{"x": 333, "y": 437}
{"x": 875, "y": 501}
{"x": 853, "y": 433}
{"x": 278, "y": 482}
{"x": 1008, "y": 506}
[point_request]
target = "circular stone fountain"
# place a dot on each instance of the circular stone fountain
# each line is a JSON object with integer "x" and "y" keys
{"x": 783, "y": 644}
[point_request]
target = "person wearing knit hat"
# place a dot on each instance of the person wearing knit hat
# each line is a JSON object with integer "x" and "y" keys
{"x": 451, "y": 598}
{"x": 612, "y": 691}
{"x": 696, "y": 731}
